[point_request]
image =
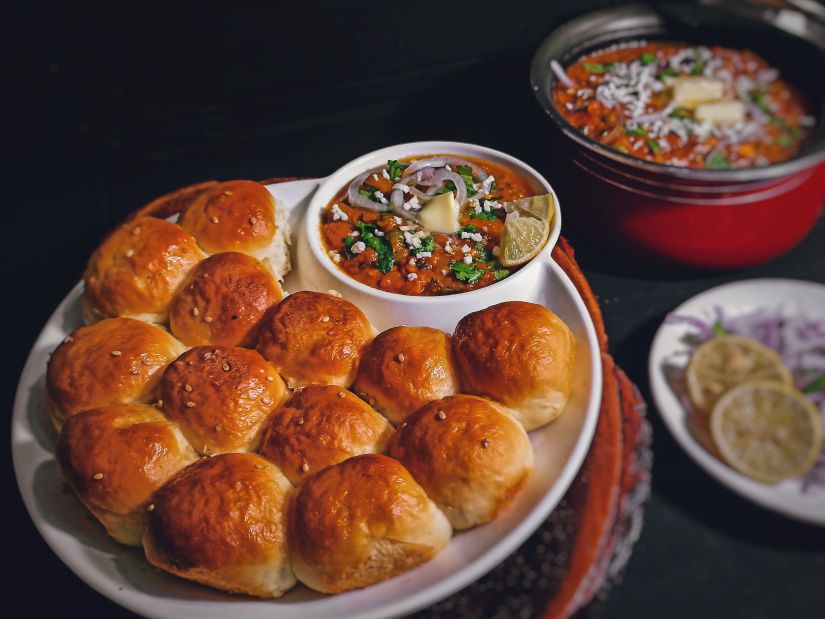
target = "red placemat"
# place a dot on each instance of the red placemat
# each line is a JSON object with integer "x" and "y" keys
{"x": 579, "y": 552}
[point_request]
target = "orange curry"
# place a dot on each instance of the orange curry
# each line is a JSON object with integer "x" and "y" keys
{"x": 369, "y": 229}
{"x": 683, "y": 105}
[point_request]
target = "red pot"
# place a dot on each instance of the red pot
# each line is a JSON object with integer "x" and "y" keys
{"x": 698, "y": 218}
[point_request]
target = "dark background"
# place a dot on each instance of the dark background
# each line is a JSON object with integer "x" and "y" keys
{"x": 115, "y": 104}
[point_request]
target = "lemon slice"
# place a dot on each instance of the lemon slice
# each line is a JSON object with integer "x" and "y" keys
{"x": 766, "y": 430}
{"x": 526, "y": 229}
{"x": 725, "y": 361}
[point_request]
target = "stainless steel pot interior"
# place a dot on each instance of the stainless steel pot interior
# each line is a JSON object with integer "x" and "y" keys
{"x": 800, "y": 62}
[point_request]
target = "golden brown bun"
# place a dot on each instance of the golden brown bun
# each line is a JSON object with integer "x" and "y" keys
{"x": 223, "y": 301}
{"x": 221, "y": 396}
{"x": 315, "y": 338}
{"x": 322, "y": 425}
{"x": 239, "y": 216}
{"x": 519, "y": 354}
{"x": 221, "y": 522}
{"x": 115, "y": 457}
{"x": 360, "y": 522}
{"x": 403, "y": 368}
{"x": 136, "y": 270}
{"x": 118, "y": 360}
{"x": 470, "y": 457}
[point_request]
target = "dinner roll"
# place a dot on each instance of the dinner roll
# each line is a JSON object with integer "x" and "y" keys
{"x": 118, "y": 360}
{"x": 221, "y": 522}
{"x": 359, "y": 522}
{"x": 322, "y": 425}
{"x": 240, "y": 216}
{"x": 315, "y": 338}
{"x": 221, "y": 396}
{"x": 136, "y": 270}
{"x": 470, "y": 457}
{"x": 520, "y": 355}
{"x": 115, "y": 457}
{"x": 403, "y": 368}
{"x": 223, "y": 301}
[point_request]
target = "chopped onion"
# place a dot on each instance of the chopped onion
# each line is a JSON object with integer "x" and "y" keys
{"x": 440, "y": 162}
{"x": 444, "y": 175}
{"x": 561, "y": 74}
{"x": 356, "y": 199}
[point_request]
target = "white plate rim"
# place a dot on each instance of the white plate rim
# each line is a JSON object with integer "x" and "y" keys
{"x": 132, "y": 599}
{"x": 672, "y": 413}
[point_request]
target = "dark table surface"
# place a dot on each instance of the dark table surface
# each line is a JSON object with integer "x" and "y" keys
{"x": 111, "y": 106}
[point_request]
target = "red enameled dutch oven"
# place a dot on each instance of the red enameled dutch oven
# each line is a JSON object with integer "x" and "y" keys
{"x": 698, "y": 218}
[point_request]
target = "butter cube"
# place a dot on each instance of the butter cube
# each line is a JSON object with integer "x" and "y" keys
{"x": 440, "y": 214}
{"x": 689, "y": 90}
{"x": 721, "y": 112}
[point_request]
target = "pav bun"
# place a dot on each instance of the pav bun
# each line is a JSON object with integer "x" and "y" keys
{"x": 470, "y": 457}
{"x": 223, "y": 301}
{"x": 315, "y": 338}
{"x": 115, "y": 457}
{"x": 135, "y": 271}
{"x": 240, "y": 216}
{"x": 221, "y": 522}
{"x": 220, "y": 396}
{"x": 322, "y": 425}
{"x": 360, "y": 522}
{"x": 519, "y": 354}
{"x": 117, "y": 360}
{"x": 403, "y": 368}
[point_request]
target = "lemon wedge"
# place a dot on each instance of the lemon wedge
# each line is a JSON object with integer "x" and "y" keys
{"x": 726, "y": 361}
{"x": 526, "y": 229}
{"x": 766, "y": 430}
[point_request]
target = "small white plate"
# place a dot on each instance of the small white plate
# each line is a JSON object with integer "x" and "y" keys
{"x": 670, "y": 354}
{"x": 123, "y": 575}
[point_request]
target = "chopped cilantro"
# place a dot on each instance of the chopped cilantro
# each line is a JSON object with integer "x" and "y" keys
{"x": 386, "y": 259}
{"x": 501, "y": 274}
{"x": 635, "y": 132}
{"x": 368, "y": 191}
{"x": 816, "y": 385}
{"x": 647, "y": 58}
{"x": 717, "y": 161}
{"x": 427, "y": 244}
{"x": 667, "y": 72}
{"x": 466, "y": 174}
{"x": 785, "y": 140}
{"x": 598, "y": 67}
{"x": 466, "y": 272}
{"x": 653, "y": 145}
{"x": 699, "y": 67}
{"x": 761, "y": 100}
{"x": 467, "y": 228}
{"x": 448, "y": 186}
{"x": 483, "y": 215}
{"x": 395, "y": 169}
{"x": 681, "y": 113}
{"x": 718, "y": 329}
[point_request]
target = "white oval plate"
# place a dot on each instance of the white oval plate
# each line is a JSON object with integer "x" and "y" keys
{"x": 123, "y": 575}
{"x": 670, "y": 350}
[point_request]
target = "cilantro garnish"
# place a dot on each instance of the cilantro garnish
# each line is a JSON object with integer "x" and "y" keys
{"x": 466, "y": 174}
{"x": 717, "y": 161}
{"x": 427, "y": 244}
{"x": 368, "y": 191}
{"x": 466, "y": 272}
{"x": 467, "y": 228}
{"x": 718, "y": 329}
{"x": 448, "y": 186}
{"x": 699, "y": 67}
{"x": 667, "y": 72}
{"x": 396, "y": 169}
{"x": 681, "y": 113}
{"x": 598, "y": 67}
{"x": 647, "y": 58}
{"x": 816, "y": 385}
{"x": 761, "y": 101}
{"x": 785, "y": 140}
{"x": 653, "y": 145}
{"x": 483, "y": 215}
{"x": 386, "y": 258}
{"x": 501, "y": 274}
{"x": 635, "y": 132}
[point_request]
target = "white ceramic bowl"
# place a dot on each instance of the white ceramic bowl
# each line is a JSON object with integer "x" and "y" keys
{"x": 317, "y": 270}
